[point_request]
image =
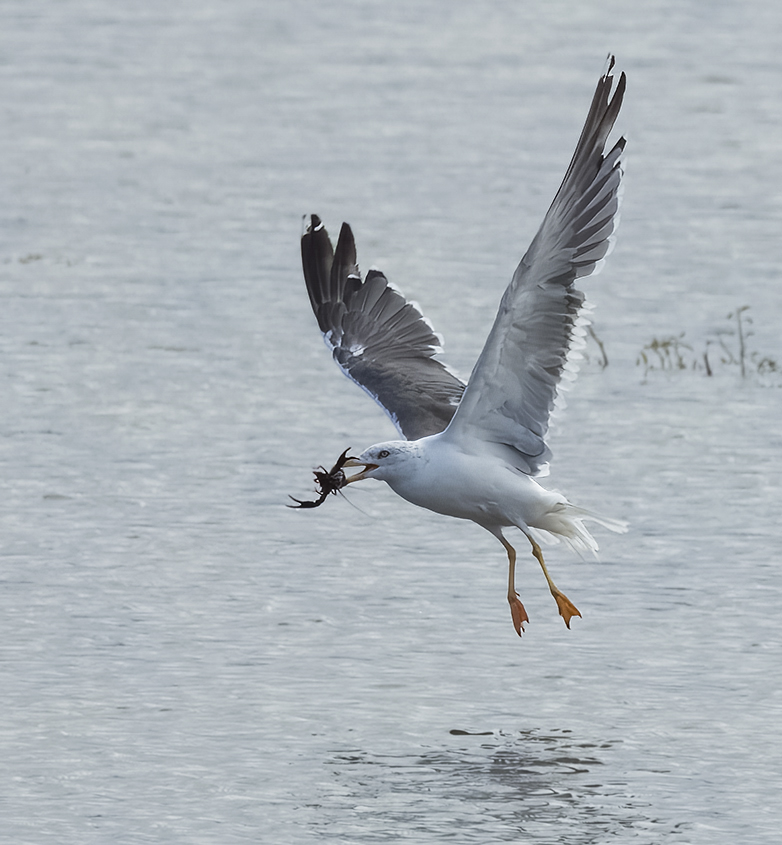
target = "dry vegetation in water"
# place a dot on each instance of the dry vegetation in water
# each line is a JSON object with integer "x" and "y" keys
{"x": 730, "y": 349}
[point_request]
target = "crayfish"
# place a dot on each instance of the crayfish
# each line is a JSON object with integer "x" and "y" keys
{"x": 331, "y": 481}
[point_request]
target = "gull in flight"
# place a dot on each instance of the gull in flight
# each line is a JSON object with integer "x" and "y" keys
{"x": 473, "y": 451}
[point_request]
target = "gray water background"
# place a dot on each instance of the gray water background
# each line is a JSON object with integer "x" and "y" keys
{"x": 183, "y": 659}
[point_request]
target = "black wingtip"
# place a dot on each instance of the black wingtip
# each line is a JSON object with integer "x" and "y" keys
{"x": 345, "y": 252}
{"x": 315, "y": 223}
{"x": 317, "y": 255}
{"x": 345, "y": 264}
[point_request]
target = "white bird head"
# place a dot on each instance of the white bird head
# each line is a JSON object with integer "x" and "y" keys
{"x": 382, "y": 461}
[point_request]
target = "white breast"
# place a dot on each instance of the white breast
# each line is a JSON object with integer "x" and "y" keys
{"x": 478, "y": 485}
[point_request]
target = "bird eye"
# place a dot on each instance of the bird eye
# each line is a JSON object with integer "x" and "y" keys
{"x": 383, "y": 453}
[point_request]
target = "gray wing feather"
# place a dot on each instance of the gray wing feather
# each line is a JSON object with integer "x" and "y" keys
{"x": 379, "y": 339}
{"x": 540, "y": 325}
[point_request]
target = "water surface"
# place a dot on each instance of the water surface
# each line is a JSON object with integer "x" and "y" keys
{"x": 184, "y": 659}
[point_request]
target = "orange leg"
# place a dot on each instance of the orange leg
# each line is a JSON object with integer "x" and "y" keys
{"x": 517, "y": 611}
{"x": 567, "y": 610}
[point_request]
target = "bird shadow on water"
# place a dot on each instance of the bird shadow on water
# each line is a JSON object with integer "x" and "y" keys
{"x": 493, "y": 786}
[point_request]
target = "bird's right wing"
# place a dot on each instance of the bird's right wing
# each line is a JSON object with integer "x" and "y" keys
{"x": 379, "y": 339}
{"x": 515, "y": 382}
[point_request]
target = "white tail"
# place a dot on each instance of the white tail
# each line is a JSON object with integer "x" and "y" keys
{"x": 565, "y": 521}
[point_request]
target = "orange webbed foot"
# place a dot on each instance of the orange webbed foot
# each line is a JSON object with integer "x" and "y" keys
{"x": 518, "y": 613}
{"x": 567, "y": 610}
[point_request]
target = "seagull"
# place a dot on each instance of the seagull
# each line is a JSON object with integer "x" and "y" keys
{"x": 473, "y": 451}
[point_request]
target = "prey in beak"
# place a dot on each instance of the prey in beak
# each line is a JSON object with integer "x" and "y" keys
{"x": 329, "y": 481}
{"x": 334, "y": 479}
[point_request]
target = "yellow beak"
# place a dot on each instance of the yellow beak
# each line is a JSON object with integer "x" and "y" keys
{"x": 359, "y": 476}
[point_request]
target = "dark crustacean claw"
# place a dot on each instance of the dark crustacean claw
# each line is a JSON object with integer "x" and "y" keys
{"x": 328, "y": 482}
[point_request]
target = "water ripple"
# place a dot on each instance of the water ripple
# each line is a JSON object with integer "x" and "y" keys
{"x": 487, "y": 786}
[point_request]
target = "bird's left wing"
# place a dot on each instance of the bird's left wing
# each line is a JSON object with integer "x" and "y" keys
{"x": 379, "y": 339}
{"x": 514, "y": 384}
